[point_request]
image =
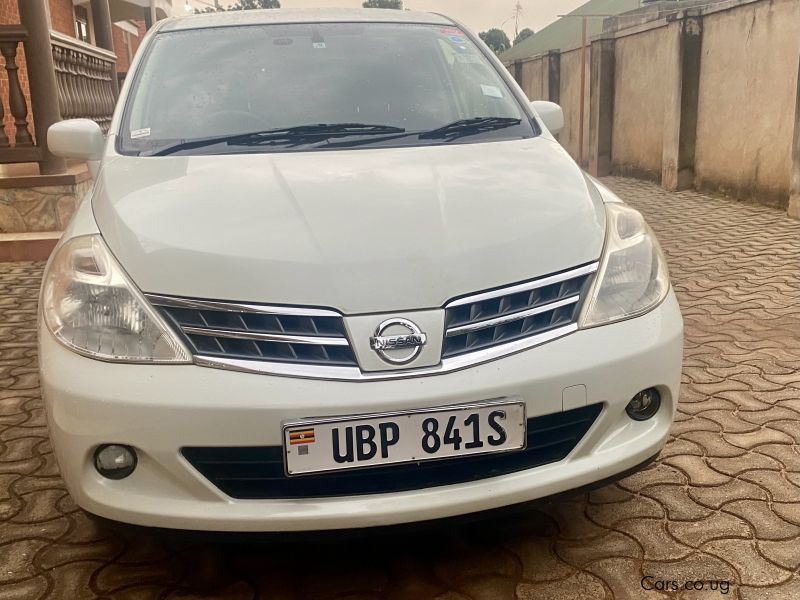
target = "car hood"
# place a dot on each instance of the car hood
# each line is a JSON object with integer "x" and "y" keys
{"x": 361, "y": 231}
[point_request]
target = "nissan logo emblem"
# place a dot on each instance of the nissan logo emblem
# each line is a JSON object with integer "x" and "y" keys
{"x": 398, "y": 341}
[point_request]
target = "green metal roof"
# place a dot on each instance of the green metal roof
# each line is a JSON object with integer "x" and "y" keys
{"x": 565, "y": 33}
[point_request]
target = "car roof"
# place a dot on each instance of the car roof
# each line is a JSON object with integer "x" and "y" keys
{"x": 279, "y": 16}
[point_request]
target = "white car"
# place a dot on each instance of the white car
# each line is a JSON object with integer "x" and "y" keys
{"x": 336, "y": 272}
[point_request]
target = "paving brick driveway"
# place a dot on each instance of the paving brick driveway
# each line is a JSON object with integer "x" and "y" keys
{"x": 721, "y": 504}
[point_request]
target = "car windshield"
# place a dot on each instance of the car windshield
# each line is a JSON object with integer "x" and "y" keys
{"x": 316, "y": 86}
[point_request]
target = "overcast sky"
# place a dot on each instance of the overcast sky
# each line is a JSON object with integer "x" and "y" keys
{"x": 479, "y": 15}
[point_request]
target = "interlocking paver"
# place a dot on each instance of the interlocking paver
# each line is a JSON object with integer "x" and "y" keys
{"x": 580, "y": 585}
{"x": 722, "y": 503}
{"x": 717, "y": 525}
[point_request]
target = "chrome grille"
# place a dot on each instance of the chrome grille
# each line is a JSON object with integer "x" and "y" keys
{"x": 258, "y": 332}
{"x": 313, "y": 343}
{"x": 514, "y": 313}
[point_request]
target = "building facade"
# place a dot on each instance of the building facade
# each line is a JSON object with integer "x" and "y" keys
{"x": 61, "y": 59}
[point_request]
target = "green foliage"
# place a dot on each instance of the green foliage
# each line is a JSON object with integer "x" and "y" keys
{"x": 523, "y": 35}
{"x": 496, "y": 39}
{"x": 398, "y": 4}
{"x": 251, "y": 4}
{"x": 242, "y": 5}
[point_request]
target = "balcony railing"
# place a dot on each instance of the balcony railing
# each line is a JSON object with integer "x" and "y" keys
{"x": 19, "y": 147}
{"x": 84, "y": 76}
{"x": 84, "y": 81}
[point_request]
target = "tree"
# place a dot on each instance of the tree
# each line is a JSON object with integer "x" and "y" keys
{"x": 398, "y": 4}
{"x": 251, "y": 4}
{"x": 242, "y": 5}
{"x": 523, "y": 35}
{"x": 496, "y": 39}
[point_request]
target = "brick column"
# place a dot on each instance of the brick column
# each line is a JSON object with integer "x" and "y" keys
{"x": 104, "y": 35}
{"x": 42, "y": 79}
{"x": 681, "y": 105}
{"x": 794, "y": 187}
{"x": 601, "y": 106}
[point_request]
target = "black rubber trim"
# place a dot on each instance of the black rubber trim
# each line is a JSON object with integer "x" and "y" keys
{"x": 258, "y": 472}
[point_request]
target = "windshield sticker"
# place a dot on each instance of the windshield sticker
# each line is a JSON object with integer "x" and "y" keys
{"x": 492, "y": 91}
{"x": 458, "y": 39}
{"x": 140, "y": 133}
{"x": 317, "y": 40}
{"x": 451, "y": 31}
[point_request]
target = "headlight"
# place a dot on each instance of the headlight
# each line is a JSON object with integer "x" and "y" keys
{"x": 633, "y": 277}
{"x": 91, "y": 306}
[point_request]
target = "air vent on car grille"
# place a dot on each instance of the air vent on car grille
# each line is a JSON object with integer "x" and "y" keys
{"x": 521, "y": 311}
{"x": 258, "y": 332}
{"x": 258, "y": 473}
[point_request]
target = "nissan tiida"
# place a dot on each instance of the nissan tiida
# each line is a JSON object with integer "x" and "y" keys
{"x": 335, "y": 271}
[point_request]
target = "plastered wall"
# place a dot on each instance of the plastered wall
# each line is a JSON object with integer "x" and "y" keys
{"x": 640, "y": 89}
{"x": 748, "y": 82}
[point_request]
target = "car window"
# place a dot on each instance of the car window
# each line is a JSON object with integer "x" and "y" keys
{"x": 234, "y": 80}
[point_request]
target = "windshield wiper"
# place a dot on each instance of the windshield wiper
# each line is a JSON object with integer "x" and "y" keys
{"x": 306, "y": 134}
{"x": 452, "y": 131}
{"x": 289, "y": 135}
{"x": 470, "y": 127}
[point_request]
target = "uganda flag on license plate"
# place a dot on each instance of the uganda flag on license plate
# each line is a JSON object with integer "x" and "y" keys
{"x": 301, "y": 436}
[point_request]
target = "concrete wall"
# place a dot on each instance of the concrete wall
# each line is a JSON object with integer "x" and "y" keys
{"x": 704, "y": 96}
{"x": 640, "y": 89}
{"x": 534, "y": 73}
{"x": 746, "y": 107}
{"x": 534, "y": 78}
{"x": 570, "y": 93}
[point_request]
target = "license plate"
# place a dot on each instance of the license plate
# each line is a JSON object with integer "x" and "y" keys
{"x": 334, "y": 444}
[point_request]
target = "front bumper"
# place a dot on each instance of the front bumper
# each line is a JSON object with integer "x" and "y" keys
{"x": 160, "y": 409}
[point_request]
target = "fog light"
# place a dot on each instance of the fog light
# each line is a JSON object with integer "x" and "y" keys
{"x": 644, "y": 405}
{"x": 114, "y": 461}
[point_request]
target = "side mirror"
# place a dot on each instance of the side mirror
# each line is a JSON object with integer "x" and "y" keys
{"x": 551, "y": 115}
{"x": 81, "y": 139}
